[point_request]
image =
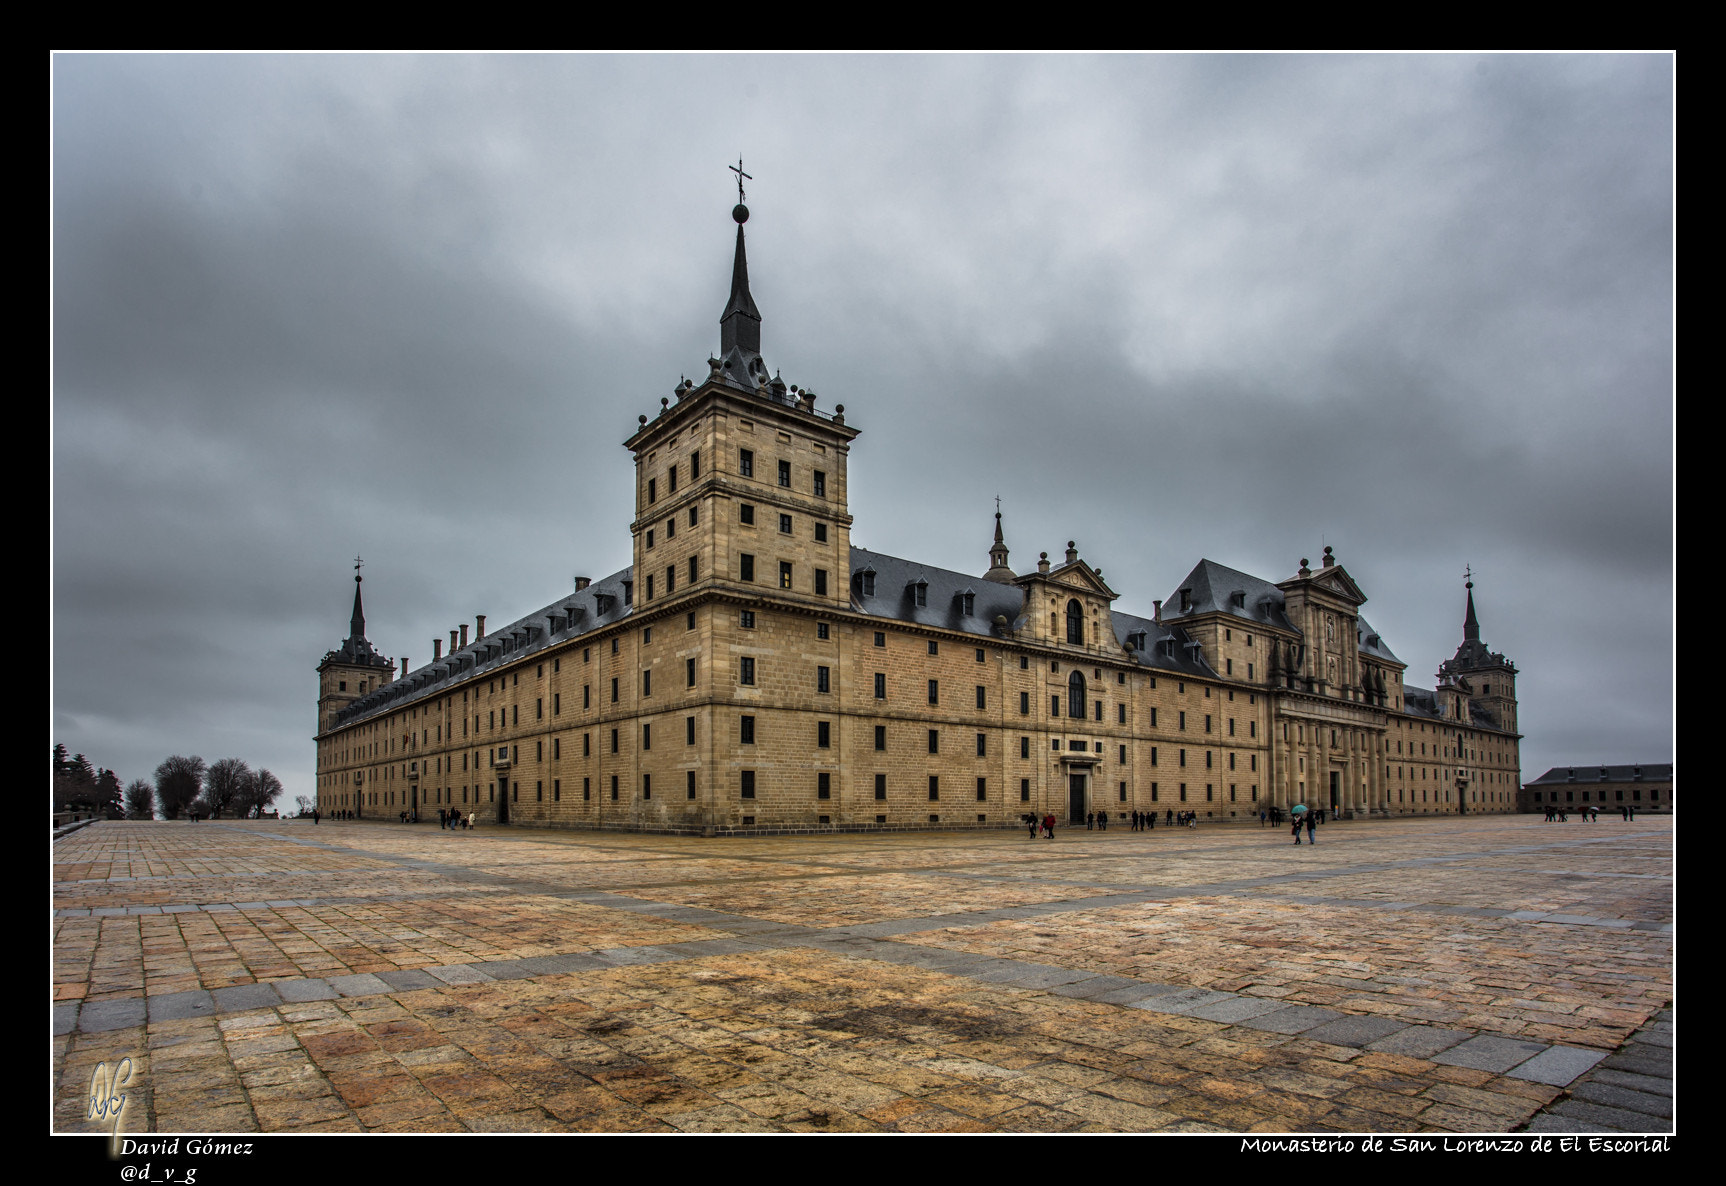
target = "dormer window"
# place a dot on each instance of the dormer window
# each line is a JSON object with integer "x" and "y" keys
{"x": 1186, "y": 600}
{"x": 867, "y": 580}
{"x": 968, "y": 602}
{"x": 1238, "y": 599}
{"x": 919, "y": 590}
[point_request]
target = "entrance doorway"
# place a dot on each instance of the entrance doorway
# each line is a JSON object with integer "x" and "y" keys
{"x": 1076, "y": 799}
{"x": 503, "y": 800}
{"x": 1335, "y": 792}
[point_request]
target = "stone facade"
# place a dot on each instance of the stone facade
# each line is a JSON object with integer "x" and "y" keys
{"x": 752, "y": 670}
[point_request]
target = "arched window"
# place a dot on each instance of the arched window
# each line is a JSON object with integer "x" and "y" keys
{"x": 1075, "y": 622}
{"x": 1076, "y": 694}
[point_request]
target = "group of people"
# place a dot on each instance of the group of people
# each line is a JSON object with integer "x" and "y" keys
{"x": 1044, "y": 826}
{"x": 1309, "y": 820}
{"x": 449, "y": 817}
{"x": 1097, "y": 820}
{"x": 1589, "y": 813}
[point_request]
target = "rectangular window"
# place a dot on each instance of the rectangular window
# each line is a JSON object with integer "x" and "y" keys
{"x": 1123, "y": 758}
{"x": 1024, "y": 703}
{"x": 821, "y": 533}
{"x": 1120, "y": 714}
{"x": 746, "y": 786}
{"x": 1207, "y": 722}
{"x": 746, "y": 514}
{"x": 614, "y": 741}
{"x": 821, "y": 582}
{"x": 746, "y": 463}
{"x": 695, "y": 465}
{"x": 647, "y": 683}
{"x": 880, "y": 786}
{"x": 747, "y": 619}
{"x": 650, "y": 539}
{"x": 934, "y": 786}
{"x": 671, "y": 480}
{"x": 587, "y": 745}
{"x": 1183, "y": 721}
{"x": 785, "y": 524}
{"x": 747, "y": 675}
{"x": 821, "y": 630}
{"x": 982, "y": 698}
{"x": 880, "y": 685}
{"x": 820, "y": 484}
{"x": 1097, "y": 710}
{"x": 881, "y": 737}
{"x": 823, "y": 734}
{"x": 934, "y": 741}
{"x": 880, "y": 639}
{"x": 934, "y": 647}
{"x": 746, "y": 730}
{"x": 689, "y": 782}
{"x": 539, "y": 708}
{"x": 823, "y": 785}
{"x": 614, "y": 788}
{"x": 746, "y": 567}
{"x": 1183, "y": 757}
{"x": 934, "y": 691}
{"x": 646, "y": 736}
{"x": 586, "y": 696}
{"x": 670, "y": 579}
{"x": 1054, "y": 706}
{"x": 785, "y": 473}
{"x": 982, "y": 790}
{"x": 556, "y": 703}
{"x": 688, "y": 730}
{"x": 785, "y": 574}
{"x": 823, "y": 679}
{"x": 614, "y": 690}
{"x": 982, "y": 745}
{"x": 652, "y": 490}
{"x": 689, "y": 673}
{"x": 647, "y": 786}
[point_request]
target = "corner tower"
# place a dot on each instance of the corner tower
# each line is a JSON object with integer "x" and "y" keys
{"x": 1490, "y": 678}
{"x": 741, "y": 482}
{"x": 351, "y": 670}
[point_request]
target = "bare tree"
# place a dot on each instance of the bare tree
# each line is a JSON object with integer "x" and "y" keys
{"x": 224, "y": 784}
{"x": 177, "y": 783}
{"x": 140, "y": 800}
{"x": 260, "y": 790}
{"x": 304, "y": 803}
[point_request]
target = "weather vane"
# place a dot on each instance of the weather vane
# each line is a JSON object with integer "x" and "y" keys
{"x": 741, "y": 178}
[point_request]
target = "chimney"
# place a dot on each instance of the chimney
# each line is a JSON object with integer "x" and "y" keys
{"x": 581, "y": 583}
{"x": 464, "y": 634}
{"x": 1157, "y": 612}
{"x": 479, "y": 626}
{"x": 437, "y": 649}
{"x": 404, "y": 667}
{"x": 452, "y": 642}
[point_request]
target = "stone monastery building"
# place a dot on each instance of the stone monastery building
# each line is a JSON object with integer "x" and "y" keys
{"x": 751, "y": 670}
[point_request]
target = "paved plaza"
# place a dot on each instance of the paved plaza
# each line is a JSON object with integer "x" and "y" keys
{"x": 1453, "y": 975}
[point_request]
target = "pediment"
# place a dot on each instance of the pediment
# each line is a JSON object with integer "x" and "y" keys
{"x": 1078, "y": 576}
{"x": 1333, "y": 580}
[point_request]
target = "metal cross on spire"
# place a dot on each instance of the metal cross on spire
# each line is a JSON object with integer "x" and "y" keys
{"x": 357, "y": 563}
{"x": 741, "y": 178}
{"x": 1467, "y": 573}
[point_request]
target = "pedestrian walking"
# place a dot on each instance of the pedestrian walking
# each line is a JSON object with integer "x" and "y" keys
{"x": 1049, "y": 826}
{"x": 1311, "y": 827}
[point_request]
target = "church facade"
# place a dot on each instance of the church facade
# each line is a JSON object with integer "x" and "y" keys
{"x": 751, "y": 670}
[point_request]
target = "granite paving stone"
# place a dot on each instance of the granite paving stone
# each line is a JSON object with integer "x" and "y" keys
{"x": 1406, "y": 975}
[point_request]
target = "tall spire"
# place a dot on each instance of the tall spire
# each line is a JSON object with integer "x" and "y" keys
{"x": 740, "y": 324}
{"x": 357, "y": 624}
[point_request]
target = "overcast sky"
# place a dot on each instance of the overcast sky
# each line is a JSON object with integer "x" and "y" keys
{"x": 1417, "y": 308}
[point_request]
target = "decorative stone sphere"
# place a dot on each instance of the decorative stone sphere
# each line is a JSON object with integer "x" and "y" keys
{"x": 740, "y": 214}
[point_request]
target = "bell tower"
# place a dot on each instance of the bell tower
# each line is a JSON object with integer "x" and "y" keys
{"x": 351, "y": 670}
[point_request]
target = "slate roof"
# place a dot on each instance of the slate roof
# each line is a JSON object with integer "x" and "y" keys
{"x": 1370, "y": 643}
{"x": 1216, "y": 588}
{"x": 1420, "y": 702}
{"x": 524, "y": 636}
{"x": 1647, "y": 772}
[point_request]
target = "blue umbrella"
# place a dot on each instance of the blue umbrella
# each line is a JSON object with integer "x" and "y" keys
{"x": 1298, "y": 809}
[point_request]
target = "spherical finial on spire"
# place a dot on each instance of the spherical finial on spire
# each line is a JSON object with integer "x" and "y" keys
{"x": 740, "y": 214}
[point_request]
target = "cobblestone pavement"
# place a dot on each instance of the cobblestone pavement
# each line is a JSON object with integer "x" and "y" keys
{"x": 1472, "y": 975}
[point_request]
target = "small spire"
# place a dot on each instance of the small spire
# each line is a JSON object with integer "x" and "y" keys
{"x": 740, "y": 324}
{"x": 998, "y": 570}
{"x": 1470, "y": 623}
